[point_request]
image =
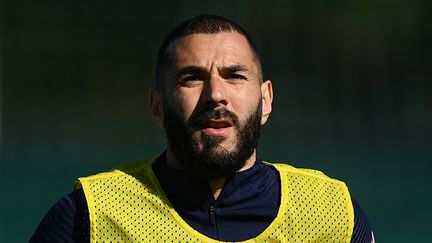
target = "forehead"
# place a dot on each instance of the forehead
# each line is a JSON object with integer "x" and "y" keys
{"x": 220, "y": 49}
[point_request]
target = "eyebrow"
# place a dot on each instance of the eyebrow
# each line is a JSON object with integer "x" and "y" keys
{"x": 201, "y": 70}
{"x": 190, "y": 70}
{"x": 235, "y": 68}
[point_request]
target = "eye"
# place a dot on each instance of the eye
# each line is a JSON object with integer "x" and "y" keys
{"x": 190, "y": 81}
{"x": 235, "y": 77}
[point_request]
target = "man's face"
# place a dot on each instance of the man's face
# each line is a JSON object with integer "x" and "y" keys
{"x": 212, "y": 103}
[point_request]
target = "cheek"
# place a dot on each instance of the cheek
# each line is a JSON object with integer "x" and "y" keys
{"x": 184, "y": 103}
{"x": 246, "y": 102}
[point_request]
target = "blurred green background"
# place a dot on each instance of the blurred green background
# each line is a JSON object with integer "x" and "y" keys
{"x": 353, "y": 97}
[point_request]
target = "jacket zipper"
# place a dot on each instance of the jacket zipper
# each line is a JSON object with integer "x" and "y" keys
{"x": 212, "y": 215}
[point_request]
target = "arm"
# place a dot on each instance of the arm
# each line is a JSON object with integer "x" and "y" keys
{"x": 362, "y": 232}
{"x": 66, "y": 221}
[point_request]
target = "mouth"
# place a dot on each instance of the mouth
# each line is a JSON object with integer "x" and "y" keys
{"x": 217, "y": 128}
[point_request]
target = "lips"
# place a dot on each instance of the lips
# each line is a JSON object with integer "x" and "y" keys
{"x": 217, "y": 123}
{"x": 217, "y": 127}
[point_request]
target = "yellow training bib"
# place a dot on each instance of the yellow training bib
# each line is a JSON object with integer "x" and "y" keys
{"x": 129, "y": 205}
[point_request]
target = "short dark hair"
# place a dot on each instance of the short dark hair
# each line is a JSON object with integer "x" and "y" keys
{"x": 201, "y": 24}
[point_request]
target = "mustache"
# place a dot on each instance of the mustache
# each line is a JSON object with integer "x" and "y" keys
{"x": 197, "y": 119}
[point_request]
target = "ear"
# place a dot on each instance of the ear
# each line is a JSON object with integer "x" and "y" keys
{"x": 156, "y": 106}
{"x": 267, "y": 99}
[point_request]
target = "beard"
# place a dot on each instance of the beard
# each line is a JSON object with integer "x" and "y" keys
{"x": 212, "y": 159}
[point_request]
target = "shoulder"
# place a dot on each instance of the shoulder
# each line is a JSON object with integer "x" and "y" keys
{"x": 286, "y": 169}
{"x": 361, "y": 231}
{"x": 129, "y": 168}
{"x": 63, "y": 221}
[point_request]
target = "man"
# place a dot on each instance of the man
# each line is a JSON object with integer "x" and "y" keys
{"x": 208, "y": 185}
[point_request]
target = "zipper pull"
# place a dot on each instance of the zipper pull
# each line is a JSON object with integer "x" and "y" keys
{"x": 212, "y": 215}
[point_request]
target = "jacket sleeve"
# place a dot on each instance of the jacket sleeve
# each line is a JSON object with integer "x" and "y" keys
{"x": 66, "y": 221}
{"x": 362, "y": 232}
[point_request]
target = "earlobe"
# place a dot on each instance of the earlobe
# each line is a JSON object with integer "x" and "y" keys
{"x": 267, "y": 99}
{"x": 156, "y": 106}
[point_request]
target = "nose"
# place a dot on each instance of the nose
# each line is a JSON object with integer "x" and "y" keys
{"x": 215, "y": 91}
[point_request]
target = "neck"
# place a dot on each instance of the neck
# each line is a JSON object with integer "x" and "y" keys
{"x": 216, "y": 184}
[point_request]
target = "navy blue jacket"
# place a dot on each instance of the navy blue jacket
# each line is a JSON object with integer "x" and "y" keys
{"x": 247, "y": 204}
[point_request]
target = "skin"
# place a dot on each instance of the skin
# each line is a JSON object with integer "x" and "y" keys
{"x": 217, "y": 70}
